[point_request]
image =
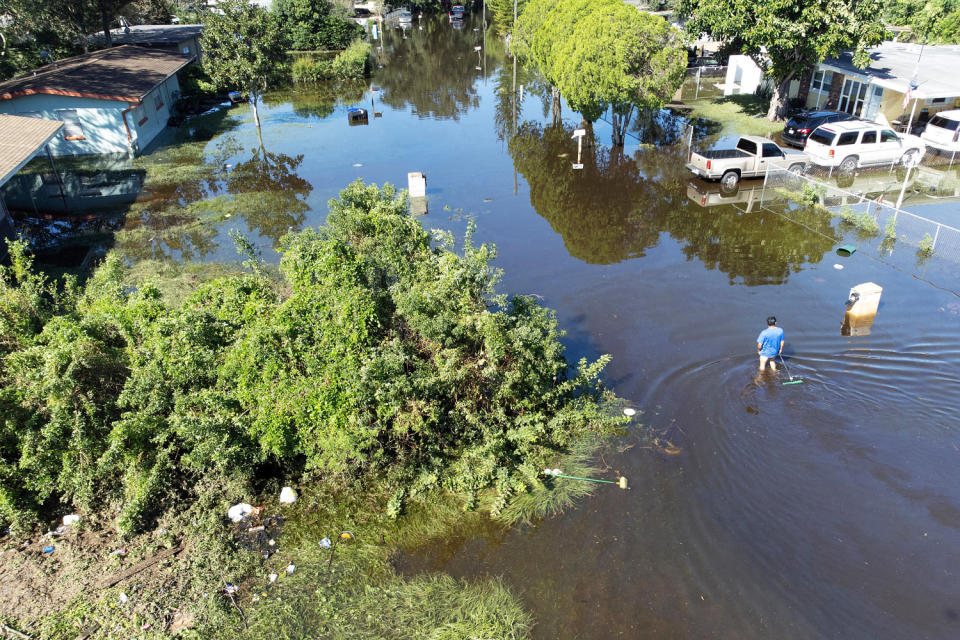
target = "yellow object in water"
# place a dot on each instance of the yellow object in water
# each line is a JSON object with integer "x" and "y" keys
{"x": 623, "y": 482}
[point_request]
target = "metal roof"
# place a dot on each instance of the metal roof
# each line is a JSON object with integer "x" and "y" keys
{"x": 893, "y": 65}
{"x": 125, "y": 73}
{"x": 20, "y": 139}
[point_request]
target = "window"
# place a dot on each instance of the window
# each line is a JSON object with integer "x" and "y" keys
{"x": 944, "y": 123}
{"x": 748, "y": 146}
{"x": 869, "y": 137}
{"x": 71, "y": 124}
{"x": 850, "y": 137}
{"x": 823, "y": 136}
{"x": 821, "y": 81}
{"x": 937, "y": 101}
{"x": 771, "y": 150}
{"x": 889, "y": 136}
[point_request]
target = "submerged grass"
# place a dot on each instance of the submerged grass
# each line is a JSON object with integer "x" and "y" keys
{"x": 557, "y": 494}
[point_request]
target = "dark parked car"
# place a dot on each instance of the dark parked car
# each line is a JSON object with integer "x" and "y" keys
{"x": 801, "y": 125}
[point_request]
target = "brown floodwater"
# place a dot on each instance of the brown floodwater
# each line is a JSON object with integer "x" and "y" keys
{"x": 827, "y": 509}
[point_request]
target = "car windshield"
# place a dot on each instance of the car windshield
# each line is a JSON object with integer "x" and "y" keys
{"x": 943, "y": 123}
{"x": 822, "y": 136}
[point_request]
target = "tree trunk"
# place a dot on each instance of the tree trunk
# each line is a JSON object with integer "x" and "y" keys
{"x": 778, "y": 101}
{"x": 105, "y": 23}
{"x": 555, "y": 107}
{"x": 620, "y": 125}
{"x": 253, "y": 105}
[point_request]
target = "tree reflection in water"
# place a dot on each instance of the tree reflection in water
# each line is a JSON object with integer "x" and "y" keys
{"x": 617, "y": 207}
{"x": 435, "y": 77}
{"x": 190, "y": 193}
{"x": 271, "y": 193}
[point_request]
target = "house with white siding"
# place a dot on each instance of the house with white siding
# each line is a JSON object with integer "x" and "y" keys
{"x": 115, "y": 100}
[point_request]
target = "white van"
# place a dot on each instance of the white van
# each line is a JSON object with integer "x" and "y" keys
{"x": 855, "y": 143}
{"x": 943, "y": 131}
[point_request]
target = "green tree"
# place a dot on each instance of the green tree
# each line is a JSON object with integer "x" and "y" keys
{"x": 309, "y": 25}
{"x": 619, "y": 56}
{"x": 243, "y": 49}
{"x": 502, "y": 12}
{"x": 787, "y": 37}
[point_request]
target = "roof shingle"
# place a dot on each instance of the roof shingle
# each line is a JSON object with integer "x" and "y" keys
{"x": 124, "y": 73}
{"x": 20, "y": 138}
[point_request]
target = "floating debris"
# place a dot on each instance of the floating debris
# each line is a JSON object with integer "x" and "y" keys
{"x": 238, "y": 512}
{"x": 838, "y": 266}
{"x": 288, "y": 495}
{"x": 629, "y": 412}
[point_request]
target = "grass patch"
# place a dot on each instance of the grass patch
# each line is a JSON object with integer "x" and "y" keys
{"x": 743, "y": 114}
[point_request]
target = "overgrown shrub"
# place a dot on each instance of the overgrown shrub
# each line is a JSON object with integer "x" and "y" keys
{"x": 387, "y": 352}
{"x": 314, "y": 25}
{"x": 350, "y": 64}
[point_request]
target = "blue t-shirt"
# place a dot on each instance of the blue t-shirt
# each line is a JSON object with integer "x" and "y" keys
{"x": 770, "y": 340}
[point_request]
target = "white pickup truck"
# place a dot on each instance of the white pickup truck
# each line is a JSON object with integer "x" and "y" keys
{"x": 749, "y": 159}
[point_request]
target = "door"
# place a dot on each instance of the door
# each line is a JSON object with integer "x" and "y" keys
{"x": 890, "y": 147}
{"x": 771, "y": 154}
{"x": 872, "y": 106}
{"x": 852, "y": 96}
{"x": 870, "y": 151}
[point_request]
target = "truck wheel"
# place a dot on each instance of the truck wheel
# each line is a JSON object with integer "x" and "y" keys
{"x": 797, "y": 169}
{"x": 848, "y": 165}
{"x": 910, "y": 158}
{"x": 729, "y": 180}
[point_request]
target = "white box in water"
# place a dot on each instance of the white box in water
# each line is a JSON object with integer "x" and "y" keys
{"x": 866, "y": 299}
{"x": 417, "y": 184}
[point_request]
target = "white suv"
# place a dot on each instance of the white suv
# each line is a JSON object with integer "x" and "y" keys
{"x": 943, "y": 131}
{"x": 852, "y": 144}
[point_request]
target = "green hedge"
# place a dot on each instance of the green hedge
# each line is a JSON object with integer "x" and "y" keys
{"x": 382, "y": 350}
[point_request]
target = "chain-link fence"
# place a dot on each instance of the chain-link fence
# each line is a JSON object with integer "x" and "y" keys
{"x": 702, "y": 82}
{"x": 865, "y": 207}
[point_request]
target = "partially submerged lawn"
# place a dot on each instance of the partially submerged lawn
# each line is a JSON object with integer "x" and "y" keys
{"x": 742, "y": 114}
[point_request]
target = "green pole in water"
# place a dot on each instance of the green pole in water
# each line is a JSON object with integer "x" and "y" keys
{"x": 791, "y": 381}
{"x": 556, "y": 474}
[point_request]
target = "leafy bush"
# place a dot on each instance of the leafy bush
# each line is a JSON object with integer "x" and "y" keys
{"x": 313, "y": 25}
{"x": 862, "y": 221}
{"x": 387, "y": 352}
{"x": 925, "y": 248}
{"x": 810, "y": 194}
{"x": 350, "y": 64}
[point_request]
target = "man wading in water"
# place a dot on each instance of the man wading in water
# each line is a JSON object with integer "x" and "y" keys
{"x": 770, "y": 344}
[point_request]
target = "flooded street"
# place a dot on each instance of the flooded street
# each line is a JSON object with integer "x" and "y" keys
{"x": 828, "y": 509}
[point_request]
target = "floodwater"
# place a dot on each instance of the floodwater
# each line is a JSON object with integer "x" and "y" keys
{"x": 827, "y": 509}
